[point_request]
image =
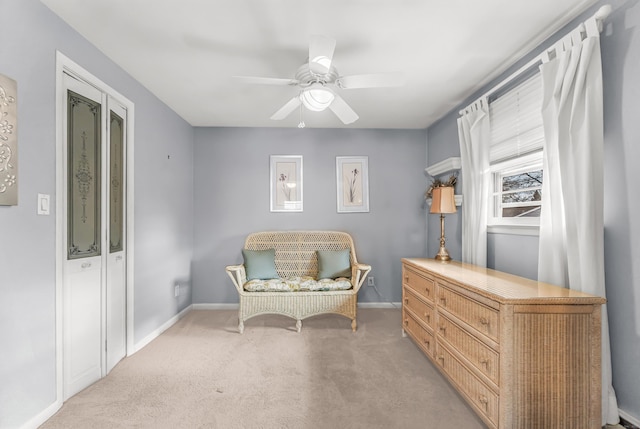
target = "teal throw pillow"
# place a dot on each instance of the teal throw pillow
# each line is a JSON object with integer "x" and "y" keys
{"x": 260, "y": 264}
{"x": 333, "y": 264}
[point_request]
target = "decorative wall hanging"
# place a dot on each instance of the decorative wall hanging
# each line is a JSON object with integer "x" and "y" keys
{"x": 286, "y": 183}
{"x": 352, "y": 173}
{"x": 8, "y": 142}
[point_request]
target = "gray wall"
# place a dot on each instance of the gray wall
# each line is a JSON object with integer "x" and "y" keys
{"x": 31, "y": 33}
{"x": 523, "y": 262}
{"x": 620, "y": 45}
{"x": 232, "y": 199}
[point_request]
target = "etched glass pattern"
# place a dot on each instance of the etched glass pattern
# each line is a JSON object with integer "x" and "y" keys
{"x": 84, "y": 142}
{"x": 116, "y": 182}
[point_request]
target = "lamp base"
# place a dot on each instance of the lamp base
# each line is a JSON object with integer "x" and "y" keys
{"x": 442, "y": 255}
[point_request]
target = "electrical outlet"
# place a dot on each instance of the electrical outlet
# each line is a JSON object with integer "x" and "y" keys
{"x": 371, "y": 281}
{"x": 177, "y": 290}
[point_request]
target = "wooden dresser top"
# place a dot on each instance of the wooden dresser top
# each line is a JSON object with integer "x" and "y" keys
{"x": 502, "y": 287}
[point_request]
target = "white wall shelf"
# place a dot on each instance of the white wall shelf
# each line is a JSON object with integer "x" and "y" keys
{"x": 449, "y": 164}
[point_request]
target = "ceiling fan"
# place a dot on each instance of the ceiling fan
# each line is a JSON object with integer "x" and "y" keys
{"x": 318, "y": 81}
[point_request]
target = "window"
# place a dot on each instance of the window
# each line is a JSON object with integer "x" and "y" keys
{"x": 517, "y": 191}
{"x": 515, "y": 154}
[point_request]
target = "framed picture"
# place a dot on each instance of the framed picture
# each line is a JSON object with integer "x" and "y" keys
{"x": 352, "y": 173}
{"x": 286, "y": 183}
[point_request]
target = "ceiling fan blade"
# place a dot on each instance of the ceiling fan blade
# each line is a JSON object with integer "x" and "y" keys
{"x": 321, "y": 54}
{"x": 266, "y": 80}
{"x": 287, "y": 109}
{"x": 343, "y": 111}
{"x": 376, "y": 80}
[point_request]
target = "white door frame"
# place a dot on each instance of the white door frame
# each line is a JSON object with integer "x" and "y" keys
{"x": 66, "y": 65}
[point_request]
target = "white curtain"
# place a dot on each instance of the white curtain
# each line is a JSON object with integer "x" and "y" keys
{"x": 474, "y": 134}
{"x": 572, "y": 221}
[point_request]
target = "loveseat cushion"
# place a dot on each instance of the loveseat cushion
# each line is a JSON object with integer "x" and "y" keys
{"x": 297, "y": 284}
{"x": 333, "y": 264}
{"x": 260, "y": 264}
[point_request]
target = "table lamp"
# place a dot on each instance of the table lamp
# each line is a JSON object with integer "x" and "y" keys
{"x": 442, "y": 201}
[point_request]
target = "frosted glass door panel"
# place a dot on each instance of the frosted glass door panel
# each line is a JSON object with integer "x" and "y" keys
{"x": 116, "y": 183}
{"x": 84, "y": 143}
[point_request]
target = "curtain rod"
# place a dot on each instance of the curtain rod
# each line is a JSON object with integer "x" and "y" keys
{"x": 599, "y": 16}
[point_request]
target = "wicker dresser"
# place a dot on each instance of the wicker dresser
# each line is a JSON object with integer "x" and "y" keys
{"x": 524, "y": 354}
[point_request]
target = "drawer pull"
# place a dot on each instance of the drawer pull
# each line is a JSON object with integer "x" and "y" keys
{"x": 485, "y": 362}
{"x": 427, "y": 291}
{"x": 443, "y": 300}
{"x": 484, "y": 321}
{"x": 484, "y": 401}
{"x": 428, "y": 317}
{"x": 427, "y": 342}
{"x": 406, "y": 300}
{"x": 406, "y": 279}
{"x": 406, "y": 322}
{"x": 86, "y": 265}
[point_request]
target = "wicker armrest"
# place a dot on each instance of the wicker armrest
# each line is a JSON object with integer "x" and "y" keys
{"x": 358, "y": 274}
{"x": 238, "y": 275}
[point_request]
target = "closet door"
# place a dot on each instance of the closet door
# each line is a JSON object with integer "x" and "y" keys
{"x": 84, "y": 236}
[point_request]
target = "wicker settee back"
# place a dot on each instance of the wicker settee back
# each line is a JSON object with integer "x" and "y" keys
{"x": 296, "y": 250}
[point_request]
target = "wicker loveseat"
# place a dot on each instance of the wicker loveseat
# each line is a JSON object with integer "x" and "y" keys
{"x": 295, "y": 257}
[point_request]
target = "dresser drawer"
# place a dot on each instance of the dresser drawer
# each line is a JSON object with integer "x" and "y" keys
{"x": 421, "y": 336}
{"x": 486, "y": 360}
{"x": 422, "y": 285}
{"x": 483, "y": 399}
{"x": 479, "y": 316}
{"x": 421, "y": 310}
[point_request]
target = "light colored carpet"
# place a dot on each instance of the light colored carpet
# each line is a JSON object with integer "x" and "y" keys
{"x": 201, "y": 373}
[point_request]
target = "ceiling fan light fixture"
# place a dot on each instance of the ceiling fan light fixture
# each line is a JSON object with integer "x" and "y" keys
{"x": 317, "y": 97}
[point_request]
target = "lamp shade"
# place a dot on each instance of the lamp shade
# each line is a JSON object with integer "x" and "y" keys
{"x": 443, "y": 200}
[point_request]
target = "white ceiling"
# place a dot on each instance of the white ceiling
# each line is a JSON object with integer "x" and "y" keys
{"x": 186, "y": 51}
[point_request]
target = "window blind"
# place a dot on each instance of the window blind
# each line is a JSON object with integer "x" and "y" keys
{"x": 516, "y": 121}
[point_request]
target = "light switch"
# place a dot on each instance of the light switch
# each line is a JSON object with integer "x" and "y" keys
{"x": 43, "y": 204}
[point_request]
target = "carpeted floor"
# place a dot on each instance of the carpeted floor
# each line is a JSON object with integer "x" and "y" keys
{"x": 201, "y": 373}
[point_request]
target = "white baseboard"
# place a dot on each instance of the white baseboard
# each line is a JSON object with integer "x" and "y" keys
{"x": 379, "y": 305}
{"x": 153, "y": 335}
{"x": 216, "y": 306}
{"x": 628, "y": 417}
{"x": 43, "y": 416}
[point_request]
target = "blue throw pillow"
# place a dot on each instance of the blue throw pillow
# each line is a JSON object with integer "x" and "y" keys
{"x": 333, "y": 264}
{"x": 260, "y": 264}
